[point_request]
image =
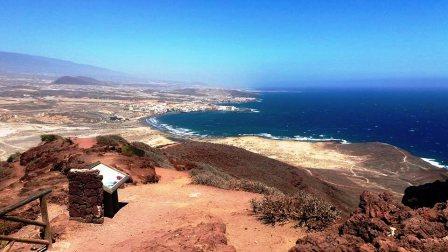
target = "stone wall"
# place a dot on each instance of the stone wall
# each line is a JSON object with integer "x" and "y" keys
{"x": 85, "y": 195}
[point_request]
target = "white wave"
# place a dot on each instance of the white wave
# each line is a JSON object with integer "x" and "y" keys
{"x": 238, "y": 109}
{"x": 153, "y": 121}
{"x": 267, "y": 135}
{"x": 171, "y": 129}
{"x": 434, "y": 162}
{"x": 298, "y": 138}
{"x": 321, "y": 139}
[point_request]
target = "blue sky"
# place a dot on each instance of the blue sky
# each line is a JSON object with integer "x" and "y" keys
{"x": 236, "y": 42}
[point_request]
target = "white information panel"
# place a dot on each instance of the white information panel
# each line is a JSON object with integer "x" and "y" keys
{"x": 112, "y": 178}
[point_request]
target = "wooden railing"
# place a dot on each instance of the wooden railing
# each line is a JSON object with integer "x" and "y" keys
{"x": 45, "y": 223}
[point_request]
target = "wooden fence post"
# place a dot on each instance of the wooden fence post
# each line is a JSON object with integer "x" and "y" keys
{"x": 45, "y": 219}
{"x": 42, "y": 196}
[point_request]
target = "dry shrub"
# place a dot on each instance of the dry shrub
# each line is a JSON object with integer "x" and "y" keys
{"x": 303, "y": 208}
{"x": 209, "y": 175}
{"x": 13, "y": 157}
{"x": 5, "y": 169}
{"x": 153, "y": 153}
{"x": 254, "y": 186}
{"x": 48, "y": 137}
{"x": 111, "y": 140}
{"x": 130, "y": 150}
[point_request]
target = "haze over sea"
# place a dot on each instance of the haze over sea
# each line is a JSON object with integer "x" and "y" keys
{"x": 413, "y": 119}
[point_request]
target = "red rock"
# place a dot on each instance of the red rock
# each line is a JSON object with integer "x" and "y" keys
{"x": 381, "y": 224}
{"x": 423, "y": 229}
{"x": 365, "y": 227}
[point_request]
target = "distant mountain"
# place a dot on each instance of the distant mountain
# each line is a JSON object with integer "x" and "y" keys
{"x": 79, "y": 80}
{"x": 17, "y": 63}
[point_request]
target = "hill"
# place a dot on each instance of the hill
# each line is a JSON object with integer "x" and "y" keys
{"x": 242, "y": 164}
{"x": 17, "y": 63}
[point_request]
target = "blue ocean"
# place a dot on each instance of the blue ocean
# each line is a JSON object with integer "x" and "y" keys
{"x": 413, "y": 119}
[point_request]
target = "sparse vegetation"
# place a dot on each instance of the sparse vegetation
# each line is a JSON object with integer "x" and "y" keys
{"x": 13, "y": 157}
{"x": 153, "y": 153}
{"x": 303, "y": 208}
{"x": 254, "y": 186}
{"x": 209, "y": 175}
{"x": 48, "y": 137}
{"x": 130, "y": 150}
{"x": 111, "y": 140}
{"x": 5, "y": 169}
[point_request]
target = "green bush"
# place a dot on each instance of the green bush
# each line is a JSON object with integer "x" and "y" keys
{"x": 303, "y": 208}
{"x": 13, "y": 157}
{"x": 48, "y": 137}
{"x": 209, "y": 175}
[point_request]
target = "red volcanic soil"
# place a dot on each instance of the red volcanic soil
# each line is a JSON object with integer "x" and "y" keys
{"x": 206, "y": 236}
{"x": 85, "y": 143}
{"x": 175, "y": 215}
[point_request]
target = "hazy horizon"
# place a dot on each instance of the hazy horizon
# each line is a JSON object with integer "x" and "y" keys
{"x": 238, "y": 43}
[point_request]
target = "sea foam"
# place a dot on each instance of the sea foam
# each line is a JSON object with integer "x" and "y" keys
{"x": 178, "y": 131}
{"x": 434, "y": 162}
{"x": 298, "y": 138}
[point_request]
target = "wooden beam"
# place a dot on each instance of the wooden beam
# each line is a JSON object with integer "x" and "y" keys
{"x": 46, "y": 220}
{"x": 23, "y": 202}
{"x": 24, "y": 240}
{"x": 26, "y": 221}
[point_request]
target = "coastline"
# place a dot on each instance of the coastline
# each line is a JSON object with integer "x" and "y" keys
{"x": 184, "y": 133}
{"x": 19, "y": 136}
{"x": 180, "y": 132}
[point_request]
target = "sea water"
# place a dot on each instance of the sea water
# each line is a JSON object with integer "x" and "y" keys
{"x": 413, "y": 119}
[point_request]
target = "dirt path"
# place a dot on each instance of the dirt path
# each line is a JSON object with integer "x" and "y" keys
{"x": 405, "y": 159}
{"x": 174, "y": 203}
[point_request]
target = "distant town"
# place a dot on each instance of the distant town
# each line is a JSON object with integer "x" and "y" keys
{"x": 40, "y": 99}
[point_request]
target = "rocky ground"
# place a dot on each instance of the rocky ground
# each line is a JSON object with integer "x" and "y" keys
{"x": 183, "y": 216}
{"x": 382, "y": 224}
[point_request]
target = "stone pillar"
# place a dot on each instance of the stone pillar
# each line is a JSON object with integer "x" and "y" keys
{"x": 85, "y": 195}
